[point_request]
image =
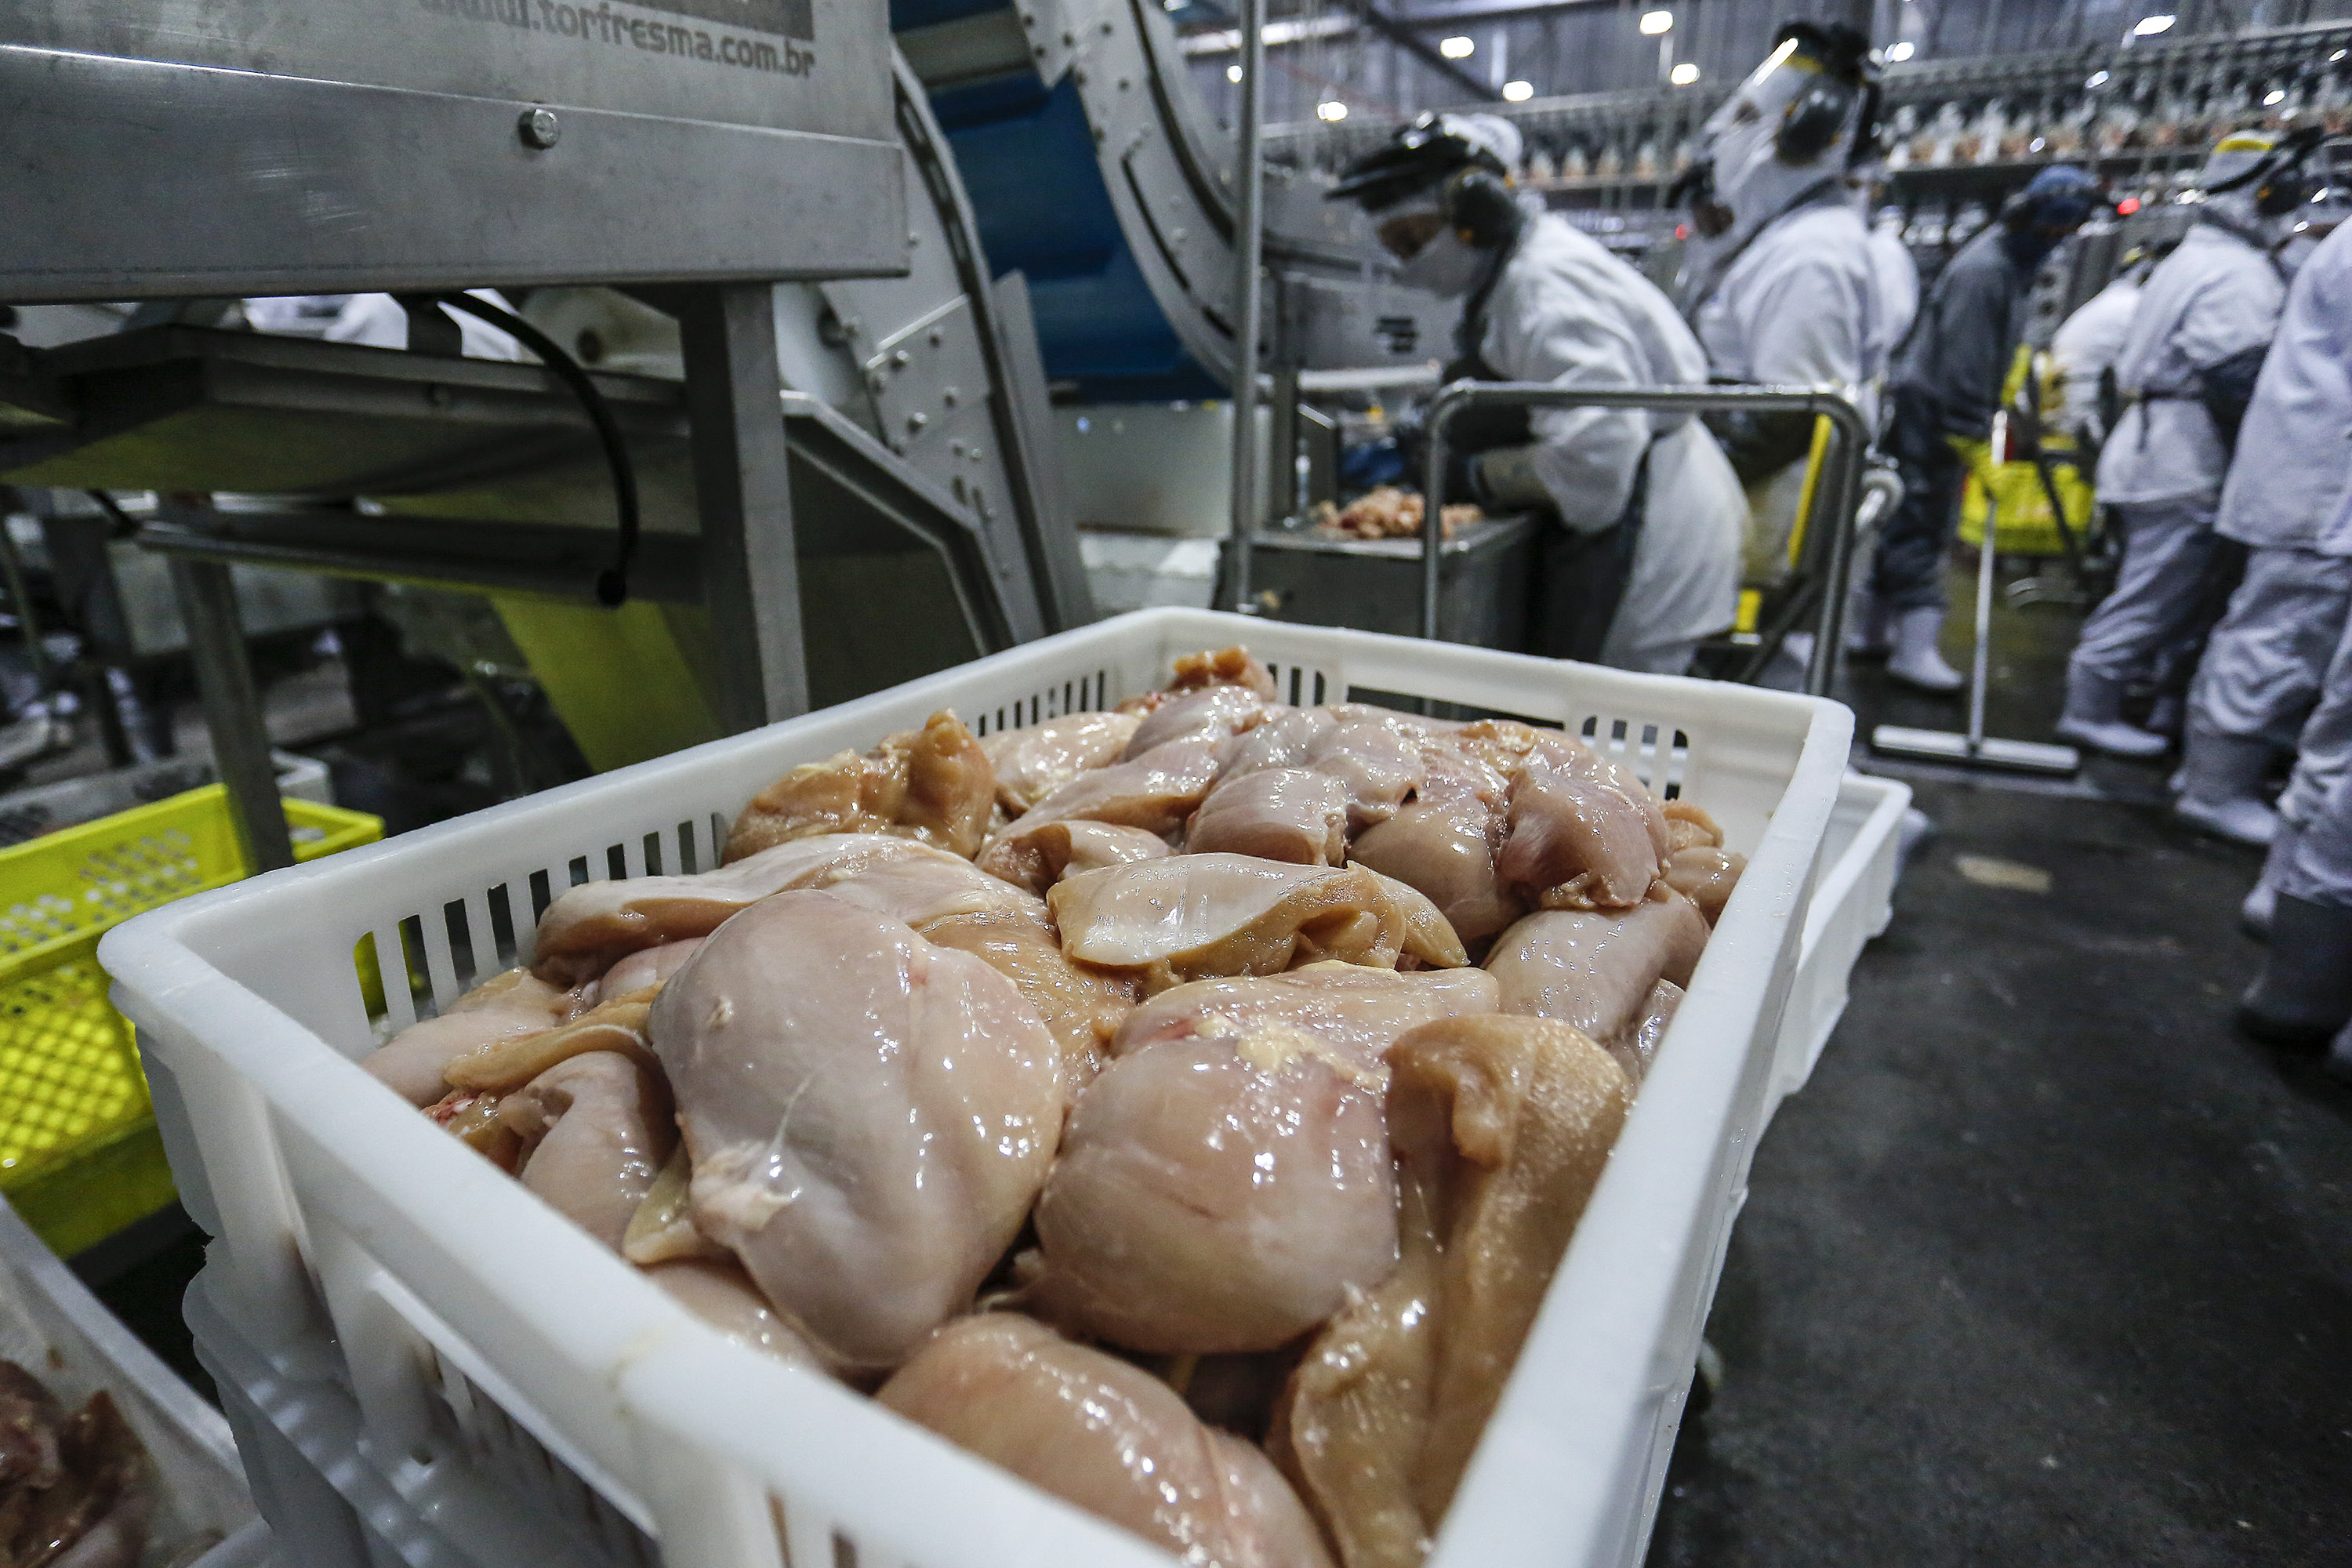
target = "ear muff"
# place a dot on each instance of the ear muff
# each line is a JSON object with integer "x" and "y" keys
{"x": 1479, "y": 204}
{"x": 1812, "y": 124}
{"x": 2277, "y": 198}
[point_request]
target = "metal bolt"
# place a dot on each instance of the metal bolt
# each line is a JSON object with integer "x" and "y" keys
{"x": 949, "y": 397}
{"x": 539, "y": 128}
{"x": 917, "y": 421}
{"x": 937, "y": 337}
{"x": 1081, "y": 74}
{"x": 901, "y": 357}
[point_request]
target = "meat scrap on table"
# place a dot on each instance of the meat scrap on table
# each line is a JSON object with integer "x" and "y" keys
{"x": 1183, "y": 1106}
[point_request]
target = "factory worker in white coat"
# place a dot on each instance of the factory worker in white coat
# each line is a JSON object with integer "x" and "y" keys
{"x": 1895, "y": 274}
{"x": 2187, "y": 374}
{"x": 1777, "y": 277}
{"x": 1641, "y": 562}
{"x": 2303, "y": 903}
{"x": 2086, "y": 346}
{"x": 2263, "y": 667}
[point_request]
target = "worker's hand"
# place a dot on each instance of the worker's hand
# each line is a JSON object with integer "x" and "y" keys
{"x": 1505, "y": 480}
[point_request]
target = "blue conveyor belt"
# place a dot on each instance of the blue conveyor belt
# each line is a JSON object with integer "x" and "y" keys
{"x": 1026, "y": 155}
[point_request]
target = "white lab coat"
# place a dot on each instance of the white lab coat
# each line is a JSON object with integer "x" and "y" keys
{"x": 1800, "y": 307}
{"x": 2215, "y": 297}
{"x": 2295, "y": 451}
{"x": 1897, "y": 277}
{"x": 1566, "y": 310}
{"x": 2086, "y": 343}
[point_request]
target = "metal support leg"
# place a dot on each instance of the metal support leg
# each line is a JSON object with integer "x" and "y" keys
{"x": 750, "y": 575}
{"x": 1249, "y": 235}
{"x": 232, "y": 710}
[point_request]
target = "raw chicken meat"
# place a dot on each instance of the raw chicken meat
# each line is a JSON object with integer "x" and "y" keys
{"x": 1349, "y": 1010}
{"x": 662, "y": 1230}
{"x": 934, "y": 784}
{"x": 1501, "y": 1128}
{"x": 1584, "y": 832}
{"x": 1706, "y": 877}
{"x": 1155, "y": 791}
{"x": 1386, "y": 511}
{"x": 1282, "y": 740}
{"x": 507, "y": 1065}
{"x": 1224, "y": 667}
{"x": 1403, "y": 723}
{"x": 953, "y": 903}
{"x": 1531, "y": 1109}
{"x": 1638, "y": 1046}
{"x": 1216, "y": 1194}
{"x": 1375, "y": 763}
{"x": 1594, "y": 970}
{"x": 646, "y": 967}
{"x": 1689, "y": 828}
{"x": 869, "y": 1116}
{"x": 1105, "y": 1436}
{"x": 723, "y": 1296}
{"x": 596, "y": 1130}
{"x": 1032, "y": 762}
{"x": 1212, "y": 713}
{"x": 1443, "y": 841}
{"x": 1037, "y": 857}
{"x": 1192, "y": 917}
{"x": 76, "y": 1489}
{"x": 1294, "y": 815}
{"x": 591, "y": 927}
{"x": 473, "y": 1119}
{"x": 501, "y": 1008}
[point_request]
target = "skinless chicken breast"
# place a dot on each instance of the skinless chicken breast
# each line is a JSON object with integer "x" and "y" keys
{"x": 1038, "y": 857}
{"x": 869, "y": 1117}
{"x": 502, "y": 1007}
{"x": 1031, "y": 763}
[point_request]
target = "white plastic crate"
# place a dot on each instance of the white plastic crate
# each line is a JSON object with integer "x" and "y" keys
{"x": 503, "y": 1390}
{"x": 1861, "y": 858}
{"x": 55, "y": 1328}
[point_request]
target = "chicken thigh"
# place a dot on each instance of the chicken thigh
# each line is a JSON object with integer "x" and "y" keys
{"x": 1106, "y": 1436}
{"x": 1037, "y": 857}
{"x": 869, "y": 1115}
{"x": 934, "y": 784}
{"x": 1594, "y": 968}
{"x": 1195, "y": 916}
{"x": 1217, "y": 1193}
{"x": 1033, "y": 763}
{"x": 1584, "y": 832}
{"x": 1351, "y": 1010}
{"x": 596, "y": 1130}
{"x": 1154, "y": 791}
{"x": 501, "y": 1008}
{"x": 1294, "y": 815}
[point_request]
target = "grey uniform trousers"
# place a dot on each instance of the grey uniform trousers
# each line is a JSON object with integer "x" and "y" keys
{"x": 2168, "y": 549}
{"x": 2267, "y": 661}
{"x": 2314, "y": 856}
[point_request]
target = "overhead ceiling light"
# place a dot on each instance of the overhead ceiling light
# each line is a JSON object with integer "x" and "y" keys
{"x": 1457, "y": 49}
{"x": 2098, "y": 80}
{"x": 2149, "y": 27}
{"x": 1332, "y": 109}
{"x": 1517, "y": 91}
{"x": 1657, "y": 22}
{"x": 1684, "y": 74}
{"x": 2276, "y": 95}
{"x": 1233, "y": 73}
{"x": 1899, "y": 52}
{"x": 2337, "y": 55}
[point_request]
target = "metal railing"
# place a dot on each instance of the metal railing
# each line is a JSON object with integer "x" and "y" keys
{"x": 1836, "y": 491}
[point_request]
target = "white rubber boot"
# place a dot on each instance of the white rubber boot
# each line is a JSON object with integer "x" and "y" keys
{"x": 2255, "y": 913}
{"x": 2221, "y": 786}
{"x": 1865, "y": 621}
{"x": 2094, "y": 717}
{"x": 1916, "y": 661}
{"x": 2304, "y": 994}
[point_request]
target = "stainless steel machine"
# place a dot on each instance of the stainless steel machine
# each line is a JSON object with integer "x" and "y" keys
{"x": 854, "y": 437}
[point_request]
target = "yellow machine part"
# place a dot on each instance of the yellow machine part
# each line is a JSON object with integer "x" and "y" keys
{"x": 624, "y": 681}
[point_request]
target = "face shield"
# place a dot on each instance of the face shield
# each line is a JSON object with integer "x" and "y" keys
{"x": 1791, "y": 126}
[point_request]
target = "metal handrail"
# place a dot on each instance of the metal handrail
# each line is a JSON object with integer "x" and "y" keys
{"x": 1834, "y": 495}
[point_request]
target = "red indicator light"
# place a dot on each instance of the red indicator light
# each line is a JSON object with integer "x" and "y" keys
{"x": 2128, "y": 206}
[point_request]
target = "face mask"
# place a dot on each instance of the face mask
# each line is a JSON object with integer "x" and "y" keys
{"x": 1445, "y": 267}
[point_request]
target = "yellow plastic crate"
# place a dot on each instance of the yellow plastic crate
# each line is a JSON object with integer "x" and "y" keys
{"x": 78, "y": 1153}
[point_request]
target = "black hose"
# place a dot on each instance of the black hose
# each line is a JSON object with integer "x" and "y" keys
{"x": 613, "y": 583}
